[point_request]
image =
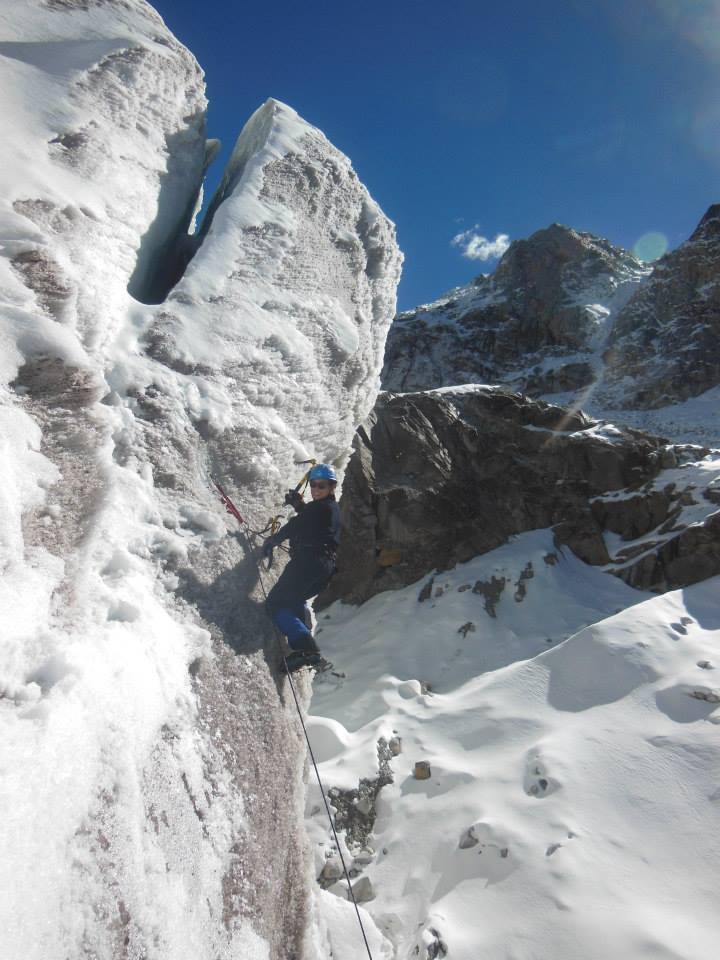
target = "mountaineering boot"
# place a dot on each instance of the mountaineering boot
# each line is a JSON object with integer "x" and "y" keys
{"x": 302, "y": 658}
{"x": 305, "y": 645}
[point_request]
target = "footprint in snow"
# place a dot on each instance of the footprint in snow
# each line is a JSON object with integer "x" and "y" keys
{"x": 681, "y": 627}
{"x": 538, "y": 783}
{"x": 554, "y": 847}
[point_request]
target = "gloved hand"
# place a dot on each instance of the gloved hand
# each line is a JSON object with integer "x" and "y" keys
{"x": 293, "y": 498}
{"x": 268, "y": 547}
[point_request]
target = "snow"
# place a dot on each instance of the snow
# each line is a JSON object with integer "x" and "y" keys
{"x": 129, "y": 791}
{"x": 695, "y": 421}
{"x": 569, "y": 726}
{"x": 565, "y": 734}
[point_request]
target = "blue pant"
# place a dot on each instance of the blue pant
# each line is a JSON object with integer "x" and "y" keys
{"x": 291, "y": 622}
{"x": 299, "y": 581}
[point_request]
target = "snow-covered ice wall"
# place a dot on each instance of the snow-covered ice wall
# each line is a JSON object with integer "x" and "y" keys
{"x": 151, "y": 768}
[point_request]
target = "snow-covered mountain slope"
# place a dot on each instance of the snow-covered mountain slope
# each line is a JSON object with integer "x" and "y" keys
{"x": 149, "y": 753}
{"x": 540, "y": 318}
{"x": 664, "y": 346}
{"x": 572, "y": 808}
{"x": 570, "y": 317}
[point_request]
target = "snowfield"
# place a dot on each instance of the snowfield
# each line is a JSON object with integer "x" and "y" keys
{"x": 574, "y": 800}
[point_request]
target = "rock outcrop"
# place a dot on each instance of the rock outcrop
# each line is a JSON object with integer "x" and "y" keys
{"x": 440, "y": 477}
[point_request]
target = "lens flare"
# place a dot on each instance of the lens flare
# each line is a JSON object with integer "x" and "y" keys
{"x": 651, "y": 246}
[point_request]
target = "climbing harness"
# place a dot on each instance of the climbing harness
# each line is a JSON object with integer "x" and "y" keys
{"x": 233, "y": 510}
{"x": 274, "y": 522}
{"x": 271, "y": 527}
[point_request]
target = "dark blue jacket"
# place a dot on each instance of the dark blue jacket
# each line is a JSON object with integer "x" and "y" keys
{"x": 314, "y": 531}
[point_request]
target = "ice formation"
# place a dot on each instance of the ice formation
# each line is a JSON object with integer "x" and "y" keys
{"x": 148, "y": 761}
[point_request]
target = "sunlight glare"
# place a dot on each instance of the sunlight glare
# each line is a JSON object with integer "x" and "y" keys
{"x": 651, "y": 246}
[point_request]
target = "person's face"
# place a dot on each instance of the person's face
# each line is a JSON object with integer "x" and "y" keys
{"x": 319, "y": 489}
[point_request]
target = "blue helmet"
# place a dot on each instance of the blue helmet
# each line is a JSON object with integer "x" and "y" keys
{"x": 323, "y": 471}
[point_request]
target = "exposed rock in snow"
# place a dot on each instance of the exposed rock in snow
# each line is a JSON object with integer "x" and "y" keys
{"x": 688, "y": 557}
{"x": 363, "y": 890}
{"x": 143, "y": 725}
{"x": 442, "y": 476}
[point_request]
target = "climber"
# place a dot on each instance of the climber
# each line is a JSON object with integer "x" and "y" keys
{"x": 314, "y": 535}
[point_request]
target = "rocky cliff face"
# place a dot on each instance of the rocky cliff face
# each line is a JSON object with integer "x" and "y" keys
{"x": 568, "y": 313}
{"x": 665, "y": 345}
{"x": 440, "y": 477}
{"x": 152, "y": 746}
{"x": 552, "y": 296}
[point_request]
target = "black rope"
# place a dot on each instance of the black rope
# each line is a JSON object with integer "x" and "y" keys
{"x": 327, "y": 810}
{"x": 322, "y": 789}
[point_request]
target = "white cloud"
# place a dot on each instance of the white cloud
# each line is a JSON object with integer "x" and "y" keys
{"x": 476, "y": 247}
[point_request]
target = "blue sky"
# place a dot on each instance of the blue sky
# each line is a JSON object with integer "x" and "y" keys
{"x": 464, "y": 117}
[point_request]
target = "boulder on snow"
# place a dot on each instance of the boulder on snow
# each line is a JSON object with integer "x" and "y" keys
{"x": 705, "y": 693}
{"x": 363, "y": 890}
{"x": 365, "y": 857}
{"x": 584, "y": 537}
{"x": 331, "y": 872}
{"x": 492, "y": 591}
{"x": 468, "y": 839}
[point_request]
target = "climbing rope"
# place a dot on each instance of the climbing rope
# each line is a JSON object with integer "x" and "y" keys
{"x": 327, "y": 810}
{"x": 232, "y": 509}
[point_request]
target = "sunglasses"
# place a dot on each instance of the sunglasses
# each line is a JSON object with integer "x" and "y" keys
{"x": 320, "y": 484}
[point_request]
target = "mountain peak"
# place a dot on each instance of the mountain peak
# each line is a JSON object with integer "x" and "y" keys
{"x": 709, "y": 226}
{"x": 555, "y": 250}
